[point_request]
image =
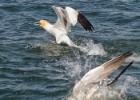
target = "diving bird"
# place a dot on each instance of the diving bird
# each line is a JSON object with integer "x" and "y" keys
{"x": 87, "y": 87}
{"x": 67, "y": 18}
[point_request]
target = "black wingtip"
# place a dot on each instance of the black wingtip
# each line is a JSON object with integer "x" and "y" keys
{"x": 85, "y": 23}
{"x": 118, "y": 76}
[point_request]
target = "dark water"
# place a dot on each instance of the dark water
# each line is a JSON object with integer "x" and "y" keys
{"x": 32, "y": 68}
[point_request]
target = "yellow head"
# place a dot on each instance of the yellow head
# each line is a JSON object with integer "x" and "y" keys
{"x": 43, "y": 23}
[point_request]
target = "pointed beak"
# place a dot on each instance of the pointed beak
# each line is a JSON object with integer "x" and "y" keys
{"x": 37, "y": 23}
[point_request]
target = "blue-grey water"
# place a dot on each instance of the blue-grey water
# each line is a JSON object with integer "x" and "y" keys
{"x": 33, "y": 68}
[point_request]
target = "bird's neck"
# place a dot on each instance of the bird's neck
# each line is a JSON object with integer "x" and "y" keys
{"x": 48, "y": 27}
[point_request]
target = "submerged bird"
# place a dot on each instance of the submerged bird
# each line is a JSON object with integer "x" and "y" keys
{"x": 88, "y": 87}
{"x": 67, "y": 18}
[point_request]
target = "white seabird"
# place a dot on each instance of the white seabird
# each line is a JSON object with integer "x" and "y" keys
{"x": 87, "y": 87}
{"x": 66, "y": 18}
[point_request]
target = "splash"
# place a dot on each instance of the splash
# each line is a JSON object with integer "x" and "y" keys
{"x": 92, "y": 48}
{"x": 135, "y": 57}
{"x": 119, "y": 91}
{"x": 53, "y": 49}
{"x": 73, "y": 69}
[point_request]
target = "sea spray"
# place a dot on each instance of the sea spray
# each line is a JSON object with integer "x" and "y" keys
{"x": 135, "y": 57}
{"x": 91, "y": 48}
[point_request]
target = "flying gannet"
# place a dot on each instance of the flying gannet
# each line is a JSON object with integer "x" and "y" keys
{"x": 88, "y": 86}
{"x": 66, "y": 18}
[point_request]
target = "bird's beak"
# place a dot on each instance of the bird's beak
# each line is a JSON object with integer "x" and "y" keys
{"x": 37, "y": 23}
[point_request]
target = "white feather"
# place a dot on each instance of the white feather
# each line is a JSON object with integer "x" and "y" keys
{"x": 72, "y": 15}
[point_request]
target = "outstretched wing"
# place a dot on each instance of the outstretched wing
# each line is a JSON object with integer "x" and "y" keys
{"x": 61, "y": 20}
{"x": 103, "y": 71}
{"x": 74, "y": 16}
{"x": 84, "y": 22}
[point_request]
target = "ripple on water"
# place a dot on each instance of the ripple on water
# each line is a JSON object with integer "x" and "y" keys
{"x": 33, "y": 68}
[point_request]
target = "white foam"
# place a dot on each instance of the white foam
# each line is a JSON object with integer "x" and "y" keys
{"x": 92, "y": 48}
{"x": 73, "y": 69}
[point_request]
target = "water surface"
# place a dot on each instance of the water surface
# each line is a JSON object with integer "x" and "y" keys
{"x": 33, "y": 68}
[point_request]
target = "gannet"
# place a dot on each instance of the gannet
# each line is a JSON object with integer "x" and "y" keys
{"x": 67, "y": 18}
{"x": 88, "y": 86}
